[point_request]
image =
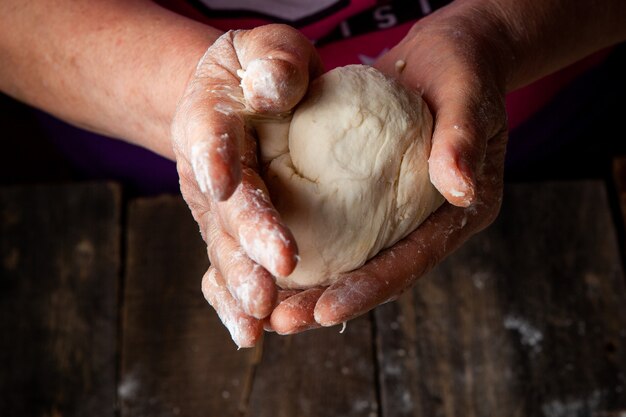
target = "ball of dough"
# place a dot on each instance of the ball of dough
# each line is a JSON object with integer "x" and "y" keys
{"x": 349, "y": 174}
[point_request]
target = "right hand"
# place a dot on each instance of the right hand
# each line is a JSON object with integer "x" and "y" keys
{"x": 454, "y": 64}
{"x": 261, "y": 72}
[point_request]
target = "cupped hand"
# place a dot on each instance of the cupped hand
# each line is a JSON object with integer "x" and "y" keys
{"x": 262, "y": 72}
{"x": 456, "y": 65}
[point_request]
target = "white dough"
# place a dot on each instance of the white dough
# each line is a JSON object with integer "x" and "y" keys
{"x": 349, "y": 175}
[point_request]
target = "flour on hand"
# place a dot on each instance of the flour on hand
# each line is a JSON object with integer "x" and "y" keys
{"x": 349, "y": 174}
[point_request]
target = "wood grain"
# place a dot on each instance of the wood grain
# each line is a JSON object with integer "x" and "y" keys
{"x": 317, "y": 373}
{"x": 60, "y": 252}
{"x": 177, "y": 358}
{"x": 527, "y": 319}
{"x": 619, "y": 181}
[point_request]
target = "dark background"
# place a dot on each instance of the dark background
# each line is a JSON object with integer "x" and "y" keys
{"x": 579, "y": 133}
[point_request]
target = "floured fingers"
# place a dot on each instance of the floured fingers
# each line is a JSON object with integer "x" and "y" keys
{"x": 208, "y": 128}
{"x": 244, "y": 330}
{"x": 277, "y": 62}
{"x": 250, "y": 284}
{"x": 295, "y": 313}
{"x": 250, "y": 218}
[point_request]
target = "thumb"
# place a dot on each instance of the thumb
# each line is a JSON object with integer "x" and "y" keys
{"x": 277, "y": 62}
{"x": 462, "y": 127}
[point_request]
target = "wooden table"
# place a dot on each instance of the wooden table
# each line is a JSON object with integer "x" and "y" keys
{"x": 101, "y": 314}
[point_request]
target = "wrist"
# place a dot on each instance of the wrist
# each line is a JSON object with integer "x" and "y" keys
{"x": 519, "y": 41}
{"x": 538, "y": 38}
{"x": 116, "y": 68}
{"x": 173, "y": 76}
{"x": 473, "y": 34}
{"x": 184, "y": 43}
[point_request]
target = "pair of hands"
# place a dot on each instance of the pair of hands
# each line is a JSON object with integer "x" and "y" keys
{"x": 265, "y": 72}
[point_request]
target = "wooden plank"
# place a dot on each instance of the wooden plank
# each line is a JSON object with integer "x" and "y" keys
{"x": 619, "y": 179}
{"x": 177, "y": 358}
{"x": 60, "y": 252}
{"x": 527, "y": 319}
{"x": 317, "y": 373}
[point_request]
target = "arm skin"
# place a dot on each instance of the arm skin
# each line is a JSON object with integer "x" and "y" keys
{"x": 103, "y": 44}
{"x": 116, "y": 67}
{"x": 548, "y": 35}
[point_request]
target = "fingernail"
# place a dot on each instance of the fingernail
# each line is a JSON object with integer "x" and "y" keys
{"x": 465, "y": 183}
{"x": 219, "y": 189}
{"x": 468, "y": 174}
{"x": 331, "y": 312}
{"x": 200, "y": 165}
{"x": 267, "y": 326}
{"x": 241, "y": 331}
{"x": 259, "y": 81}
{"x": 323, "y": 320}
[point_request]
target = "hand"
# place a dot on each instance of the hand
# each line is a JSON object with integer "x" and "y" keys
{"x": 456, "y": 68}
{"x": 256, "y": 73}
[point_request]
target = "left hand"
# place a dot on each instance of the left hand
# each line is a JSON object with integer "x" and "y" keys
{"x": 216, "y": 156}
{"x": 456, "y": 68}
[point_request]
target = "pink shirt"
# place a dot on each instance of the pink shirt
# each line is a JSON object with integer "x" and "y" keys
{"x": 345, "y": 32}
{"x": 359, "y": 31}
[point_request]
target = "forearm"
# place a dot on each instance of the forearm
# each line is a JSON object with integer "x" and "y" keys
{"x": 519, "y": 41}
{"x": 547, "y": 35}
{"x": 114, "y": 67}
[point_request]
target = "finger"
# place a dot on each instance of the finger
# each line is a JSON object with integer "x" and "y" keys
{"x": 389, "y": 273}
{"x": 464, "y": 120}
{"x": 456, "y": 152}
{"x": 208, "y": 128}
{"x": 249, "y": 217}
{"x": 250, "y": 284}
{"x": 467, "y": 111}
{"x": 385, "y": 276}
{"x": 296, "y": 313}
{"x": 199, "y": 203}
{"x": 244, "y": 330}
{"x": 282, "y": 296}
{"x": 277, "y": 62}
